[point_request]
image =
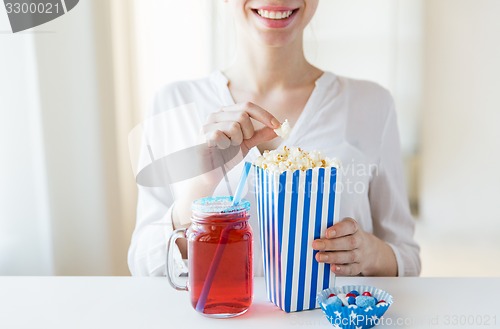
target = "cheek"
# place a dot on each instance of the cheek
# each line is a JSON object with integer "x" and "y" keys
{"x": 241, "y": 18}
{"x": 236, "y": 10}
{"x": 310, "y": 10}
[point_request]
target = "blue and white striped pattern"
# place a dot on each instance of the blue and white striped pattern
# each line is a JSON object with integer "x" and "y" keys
{"x": 294, "y": 208}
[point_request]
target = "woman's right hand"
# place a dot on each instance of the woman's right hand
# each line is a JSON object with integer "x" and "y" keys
{"x": 232, "y": 126}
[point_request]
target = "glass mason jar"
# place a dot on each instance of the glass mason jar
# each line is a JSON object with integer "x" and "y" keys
{"x": 219, "y": 257}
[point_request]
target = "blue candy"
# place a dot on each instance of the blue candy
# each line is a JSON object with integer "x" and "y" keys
{"x": 365, "y": 301}
{"x": 334, "y": 300}
{"x": 354, "y": 292}
{"x": 351, "y": 300}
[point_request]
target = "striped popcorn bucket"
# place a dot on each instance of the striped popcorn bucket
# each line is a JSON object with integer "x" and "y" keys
{"x": 295, "y": 208}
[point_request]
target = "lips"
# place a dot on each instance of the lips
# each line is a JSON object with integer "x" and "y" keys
{"x": 275, "y": 17}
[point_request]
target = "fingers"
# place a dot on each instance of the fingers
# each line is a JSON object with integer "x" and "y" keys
{"x": 225, "y": 134}
{"x": 255, "y": 112}
{"x": 262, "y": 135}
{"x": 228, "y": 117}
{"x": 344, "y": 243}
{"x": 232, "y": 125}
{"x": 219, "y": 139}
{"x": 339, "y": 257}
{"x": 342, "y": 262}
{"x": 347, "y": 226}
{"x": 346, "y": 269}
{"x": 342, "y": 248}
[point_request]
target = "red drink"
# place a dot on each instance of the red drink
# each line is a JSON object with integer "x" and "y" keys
{"x": 220, "y": 257}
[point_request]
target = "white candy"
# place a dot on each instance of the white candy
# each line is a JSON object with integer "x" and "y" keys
{"x": 343, "y": 298}
{"x": 284, "y": 130}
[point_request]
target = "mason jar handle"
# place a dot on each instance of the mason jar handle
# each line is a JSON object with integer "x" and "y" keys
{"x": 169, "y": 262}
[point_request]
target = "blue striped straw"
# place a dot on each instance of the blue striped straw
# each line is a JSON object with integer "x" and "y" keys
{"x": 241, "y": 184}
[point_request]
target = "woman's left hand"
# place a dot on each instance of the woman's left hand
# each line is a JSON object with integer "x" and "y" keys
{"x": 352, "y": 251}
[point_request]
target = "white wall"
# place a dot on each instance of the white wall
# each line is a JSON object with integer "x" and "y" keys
{"x": 172, "y": 43}
{"x": 25, "y": 241}
{"x": 59, "y": 210}
{"x": 460, "y": 183}
{"x": 74, "y": 70}
{"x": 374, "y": 40}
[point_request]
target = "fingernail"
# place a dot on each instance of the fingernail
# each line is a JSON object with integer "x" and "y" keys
{"x": 275, "y": 123}
{"x": 323, "y": 258}
{"x": 331, "y": 233}
{"x": 318, "y": 245}
{"x": 337, "y": 268}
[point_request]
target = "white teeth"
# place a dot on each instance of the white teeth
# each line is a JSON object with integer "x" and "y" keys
{"x": 274, "y": 14}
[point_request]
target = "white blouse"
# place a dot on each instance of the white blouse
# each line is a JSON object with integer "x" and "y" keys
{"x": 351, "y": 120}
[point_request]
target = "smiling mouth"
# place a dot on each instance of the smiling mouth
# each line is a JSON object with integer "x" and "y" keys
{"x": 275, "y": 14}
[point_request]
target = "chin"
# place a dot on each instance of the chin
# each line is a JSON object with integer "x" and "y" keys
{"x": 276, "y": 40}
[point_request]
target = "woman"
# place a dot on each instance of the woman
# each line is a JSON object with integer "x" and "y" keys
{"x": 355, "y": 121}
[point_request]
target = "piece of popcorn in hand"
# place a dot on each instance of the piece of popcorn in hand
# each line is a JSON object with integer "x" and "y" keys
{"x": 284, "y": 130}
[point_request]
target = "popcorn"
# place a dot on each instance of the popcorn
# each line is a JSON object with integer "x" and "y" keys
{"x": 284, "y": 130}
{"x": 293, "y": 158}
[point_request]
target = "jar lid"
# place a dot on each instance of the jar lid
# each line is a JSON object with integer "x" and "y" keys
{"x": 219, "y": 205}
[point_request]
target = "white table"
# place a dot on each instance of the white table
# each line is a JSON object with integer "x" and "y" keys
{"x": 124, "y": 302}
